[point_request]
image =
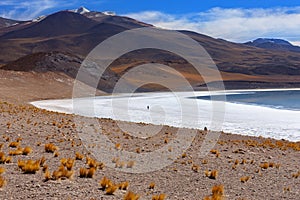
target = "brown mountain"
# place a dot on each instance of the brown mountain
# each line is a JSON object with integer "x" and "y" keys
{"x": 58, "y": 44}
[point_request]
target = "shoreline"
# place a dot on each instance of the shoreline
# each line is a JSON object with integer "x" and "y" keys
{"x": 235, "y": 124}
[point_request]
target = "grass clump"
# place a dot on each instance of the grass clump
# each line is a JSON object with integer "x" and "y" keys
{"x": 18, "y": 151}
{"x": 2, "y": 182}
{"x": 105, "y": 183}
{"x": 62, "y": 173}
{"x": 27, "y": 151}
{"x": 87, "y": 173}
{"x": 50, "y": 148}
{"x": 123, "y": 185}
{"x": 151, "y": 185}
{"x": 211, "y": 174}
{"x": 131, "y": 196}
{"x": 29, "y": 166}
{"x": 244, "y": 179}
{"x": 159, "y": 197}
{"x": 14, "y": 144}
{"x": 79, "y": 156}
{"x": 2, "y": 170}
{"x": 111, "y": 189}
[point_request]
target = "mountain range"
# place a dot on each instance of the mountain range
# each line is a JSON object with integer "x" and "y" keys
{"x": 55, "y": 45}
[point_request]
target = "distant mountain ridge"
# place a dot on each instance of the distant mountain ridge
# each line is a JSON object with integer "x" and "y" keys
{"x": 273, "y": 44}
{"x": 57, "y": 43}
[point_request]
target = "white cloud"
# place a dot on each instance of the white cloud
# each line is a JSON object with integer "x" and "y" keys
{"x": 237, "y": 25}
{"x": 24, "y": 10}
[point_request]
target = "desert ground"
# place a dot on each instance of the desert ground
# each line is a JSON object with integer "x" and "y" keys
{"x": 238, "y": 167}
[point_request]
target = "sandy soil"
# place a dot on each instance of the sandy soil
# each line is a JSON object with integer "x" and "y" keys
{"x": 236, "y": 157}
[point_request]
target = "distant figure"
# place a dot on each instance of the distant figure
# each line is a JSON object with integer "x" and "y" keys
{"x": 148, "y": 107}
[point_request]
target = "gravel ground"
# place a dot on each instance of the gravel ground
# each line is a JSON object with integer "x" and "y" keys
{"x": 235, "y": 157}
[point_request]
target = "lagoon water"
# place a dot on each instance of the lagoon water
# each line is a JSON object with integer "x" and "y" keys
{"x": 267, "y": 113}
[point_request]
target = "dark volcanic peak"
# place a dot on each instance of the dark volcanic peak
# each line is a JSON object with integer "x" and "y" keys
{"x": 125, "y": 22}
{"x": 273, "y": 44}
{"x": 57, "y": 24}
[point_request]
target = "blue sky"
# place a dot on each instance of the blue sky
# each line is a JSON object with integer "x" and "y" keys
{"x": 234, "y": 20}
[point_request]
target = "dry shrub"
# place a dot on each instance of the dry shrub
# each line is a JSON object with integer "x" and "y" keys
{"x": 271, "y": 164}
{"x": 138, "y": 150}
{"x": 91, "y": 172}
{"x": 82, "y": 172}
{"x": 63, "y": 161}
{"x": 47, "y": 175}
{"x": 79, "y": 156}
{"x": 211, "y": 174}
{"x": 244, "y": 179}
{"x": 151, "y": 185}
{"x": 27, "y": 150}
{"x": 130, "y": 164}
{"x": 2, "y": 170}
{"x": 111, "y": 189}
{"x": 8, "y": 159}
{"x": 42, "y": 161}
{"x": 91, "y": 162}
{"x": 264, "y": 165}
{"x": 118, "y": 146}
{"x": 56, "y": 175}
{"x": 296, "y": 175}
{"x": 217, "y": 192}
{"x": 62, "y": 173}
{"x": 2, "y": 182}
{"x": 214, "y": 151}
{"x": 120, "y": 164}
{"x": 68, "y": 163}
{"x": 195, "y": 168}
{"x": 159, "y": 197}
{"x": 244, "y": 162}
{"x": 45, "y": 168}
{"x": 115, "y": 160}
{"x": 14, "y": 144}
{"x": 236, "y": 162}
{"x": 123, "y": 185}
{"x": 29, "y": 166}
{"x": 56, "y": 154}
{"x": 131, "y": 196}
{"x": 105, "y": 183}
{"x": 50, "y": 148}
{"x": 18, "y": 151}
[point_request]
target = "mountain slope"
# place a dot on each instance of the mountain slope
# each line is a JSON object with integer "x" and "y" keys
{"x": 58, "y": 24}
{"x": 7, "y": 22}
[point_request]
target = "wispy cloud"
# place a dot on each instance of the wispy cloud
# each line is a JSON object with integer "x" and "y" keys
{"x": 237, "y": 25}
{"x": 24, "y": 10}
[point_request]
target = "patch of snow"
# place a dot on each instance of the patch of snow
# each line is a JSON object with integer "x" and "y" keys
{"x": 110, "y": 13}
{"x": 81, "y": 10}
{"x": 38, "y": 19}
